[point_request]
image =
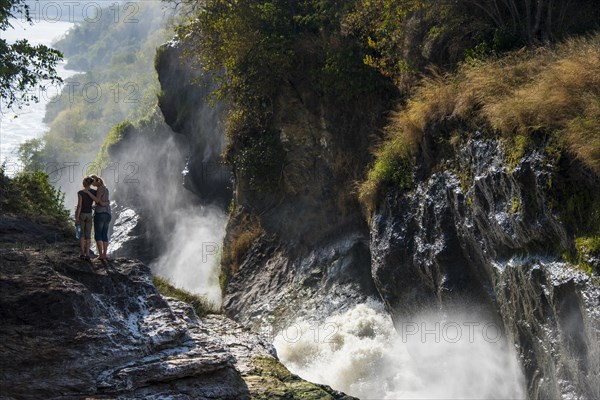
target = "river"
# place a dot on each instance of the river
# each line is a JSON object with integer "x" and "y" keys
{"x": 19, "y": 125}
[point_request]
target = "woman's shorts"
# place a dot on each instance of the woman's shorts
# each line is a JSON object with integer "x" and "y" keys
{"x": 85, "y": 219}
{"x": 101, "y": 224}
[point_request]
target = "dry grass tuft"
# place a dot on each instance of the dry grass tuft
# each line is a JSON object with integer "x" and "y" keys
{"x": 246, "y": 229}
{"x": 551, "y": 90}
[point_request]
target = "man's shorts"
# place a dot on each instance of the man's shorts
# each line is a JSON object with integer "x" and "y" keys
{"x": 85, "y": 219}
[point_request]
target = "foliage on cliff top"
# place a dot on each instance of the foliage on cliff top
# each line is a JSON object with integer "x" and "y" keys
{"x": 32, "y": 195}
{"x": 201, "y": 305}
{"x": 150, "y": 124}
{"x": 405, "y": 36}
{"x": 256, "y": 48}
{"x": 552, "y": 90}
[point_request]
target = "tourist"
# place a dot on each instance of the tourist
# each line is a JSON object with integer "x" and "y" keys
{"x": 83, "y": 217}
{"x": 102, "y": 215}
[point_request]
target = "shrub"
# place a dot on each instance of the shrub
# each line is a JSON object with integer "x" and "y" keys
{"x": 117, "y": 133}
{"x": 245, "y": 229}
{"x": 260, "y": 162}
{"x": 257, "y": 48}
{"x": 551, "y": 90}
{"x": 393, "y": 168}
{"x": 31, "y": 195}
{"x": 403, "y": 37}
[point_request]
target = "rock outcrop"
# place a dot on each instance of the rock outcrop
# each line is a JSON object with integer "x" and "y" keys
{"x": 476, "y": 232}
{"x": 77, "y": 329}
{"x": 313, "y": 258}
{"x": 484, "y": 235}
{"x": 185, "y": 105}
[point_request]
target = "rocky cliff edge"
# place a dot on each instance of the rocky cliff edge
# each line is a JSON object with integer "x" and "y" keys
{"x": 78, "y": 329}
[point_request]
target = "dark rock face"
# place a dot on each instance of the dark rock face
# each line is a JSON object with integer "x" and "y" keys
{"x": 274, "y": 286}
{"x": 314, "y": 258}
{"x": 491, "y": 245}
{"x": 185, "y": 107}
{"x": 76, "y": 329}
{"x": 16, "y": 232}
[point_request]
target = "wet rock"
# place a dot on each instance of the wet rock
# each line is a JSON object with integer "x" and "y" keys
{"x": 78, "y": 329}
{"x": 275, "y": 284}
{"x": 482, "y": 235}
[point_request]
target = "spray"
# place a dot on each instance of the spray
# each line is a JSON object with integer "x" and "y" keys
{"x": 430, "y": 357}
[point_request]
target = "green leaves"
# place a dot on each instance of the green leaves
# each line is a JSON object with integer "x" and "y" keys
{"x": 261, "y": 161}
{"x": 32, "y": 195}
{"x": 23, "y": 66}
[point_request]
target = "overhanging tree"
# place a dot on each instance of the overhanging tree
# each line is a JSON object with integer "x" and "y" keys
{"x": 23, "y": 66}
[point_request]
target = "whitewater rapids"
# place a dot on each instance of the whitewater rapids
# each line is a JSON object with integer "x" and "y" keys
{"x": 360, "y": 353}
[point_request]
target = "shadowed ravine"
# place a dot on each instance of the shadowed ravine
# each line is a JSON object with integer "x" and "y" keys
{"x": 432, "y": 257}
{"x": 315, "y": 200}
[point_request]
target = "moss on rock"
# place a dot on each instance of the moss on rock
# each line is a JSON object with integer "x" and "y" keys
{"x": 272, "y": 380}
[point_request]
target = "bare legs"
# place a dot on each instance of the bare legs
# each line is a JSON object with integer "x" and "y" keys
{"x": 102, "y": 249}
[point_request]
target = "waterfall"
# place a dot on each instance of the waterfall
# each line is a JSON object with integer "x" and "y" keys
{"x": 431, "y": 357}
{"x": 193, "y": 253}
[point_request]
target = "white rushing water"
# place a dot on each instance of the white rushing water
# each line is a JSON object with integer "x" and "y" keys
{"x": 360, "y": 353}
{"x": 20, "y": 125}
{"x": 193, "y": 253}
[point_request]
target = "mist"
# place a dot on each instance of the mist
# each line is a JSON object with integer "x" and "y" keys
{"x": 193, "y": 252}
{"x": 430, "y": 357}
{"x": 156, "y": 218}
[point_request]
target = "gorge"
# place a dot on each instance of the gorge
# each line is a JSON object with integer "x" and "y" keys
{"x": 429, "y": 244}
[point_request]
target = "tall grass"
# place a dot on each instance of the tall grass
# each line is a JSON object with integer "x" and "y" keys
{"x": 554, "y": 90}
{"x": 246, "y": 230}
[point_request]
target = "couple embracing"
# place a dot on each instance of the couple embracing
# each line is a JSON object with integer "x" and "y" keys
{"x": 101, "y": 217}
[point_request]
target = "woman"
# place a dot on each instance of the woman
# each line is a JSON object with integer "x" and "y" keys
{"x": 102, "y": 215}
{"x": 83, "y": 216}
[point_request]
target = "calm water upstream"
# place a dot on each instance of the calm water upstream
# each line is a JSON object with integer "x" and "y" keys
{"x": 20, "y": 125}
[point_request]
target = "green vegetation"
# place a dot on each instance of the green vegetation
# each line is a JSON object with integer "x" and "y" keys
{"x": 260, "y": 162}
{"x": 404, "y": 37}
{"x": 579, "y": 210}
{"x": 31, "y": 195}
{"x": 201, "y": 305}
{"x": 393, "y": 168}
{"x": 256, "y": 48}
{"x": 515, "y": 205}
{"x": 117, "y": 133}
{"x": 271, "y": 379}
{"x": 23, "y": 66}
{"x": 546, "y": 91}
{"x": 119, "y": 83}
{"x": 587, "y": 247}
{"x": 516, "y": 148}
